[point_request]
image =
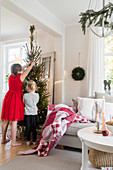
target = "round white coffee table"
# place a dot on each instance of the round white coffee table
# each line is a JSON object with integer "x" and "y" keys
{"x": 93, "y": 140}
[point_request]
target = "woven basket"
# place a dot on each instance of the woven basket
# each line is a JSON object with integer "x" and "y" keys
{"x": 100, "y": 159}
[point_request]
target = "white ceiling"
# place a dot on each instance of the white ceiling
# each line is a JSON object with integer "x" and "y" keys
{"x": 66, "y": 10}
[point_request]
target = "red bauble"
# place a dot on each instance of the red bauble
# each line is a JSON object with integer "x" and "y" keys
{"x": 105, "y": 133}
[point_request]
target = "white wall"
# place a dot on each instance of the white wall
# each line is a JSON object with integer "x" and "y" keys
{"x": 75, "y": 42}
{"x": 58, "y": 70}
{"x": 46, "y": 41}
{"x": 12, "y": 26}
{"x": 49, "y": 43}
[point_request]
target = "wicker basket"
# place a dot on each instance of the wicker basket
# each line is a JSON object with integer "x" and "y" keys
{"x": 100, "y": 159}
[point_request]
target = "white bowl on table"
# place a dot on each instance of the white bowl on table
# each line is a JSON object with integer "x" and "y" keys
{"x": 109, "y": 126}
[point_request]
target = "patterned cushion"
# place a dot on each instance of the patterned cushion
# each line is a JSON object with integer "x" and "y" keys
{"x": 75, "y": 105}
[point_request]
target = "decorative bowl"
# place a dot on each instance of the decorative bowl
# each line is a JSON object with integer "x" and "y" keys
{"x": 109, "y": 126}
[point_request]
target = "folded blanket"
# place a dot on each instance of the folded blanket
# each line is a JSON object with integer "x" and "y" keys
{"x": 55, "y": 126}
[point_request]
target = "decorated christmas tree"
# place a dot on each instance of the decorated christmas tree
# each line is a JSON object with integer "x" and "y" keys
{"x": 37, "y": 74}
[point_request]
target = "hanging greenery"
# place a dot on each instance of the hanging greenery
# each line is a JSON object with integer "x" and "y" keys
{"x": 78, "y": 73}
{"x": 91, "y": 17}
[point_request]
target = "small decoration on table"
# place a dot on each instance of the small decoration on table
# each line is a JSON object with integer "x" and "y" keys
{"x": 105, "y": 133}
{"x": 97, "y": 119}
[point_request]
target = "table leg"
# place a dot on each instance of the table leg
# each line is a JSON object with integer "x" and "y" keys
{"x": 84, "y": 156}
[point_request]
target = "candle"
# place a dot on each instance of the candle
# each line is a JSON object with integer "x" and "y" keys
{"x": 97, "y": 117}
{"x": 103, "y": 111}
{"x": 112, "y": 119}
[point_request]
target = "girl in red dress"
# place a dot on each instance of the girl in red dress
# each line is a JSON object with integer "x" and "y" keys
{"x": 13, "y": 107}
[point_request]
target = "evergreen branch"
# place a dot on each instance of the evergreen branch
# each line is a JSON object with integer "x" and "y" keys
{"x": 96, "y": 17}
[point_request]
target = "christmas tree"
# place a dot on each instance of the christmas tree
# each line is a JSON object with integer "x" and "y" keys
{"x": 37, "y": 74}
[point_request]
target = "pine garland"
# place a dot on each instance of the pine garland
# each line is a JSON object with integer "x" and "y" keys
{"x": 91, "y": 17}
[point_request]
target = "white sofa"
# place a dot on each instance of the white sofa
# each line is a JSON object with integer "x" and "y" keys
{"x": 70, "y": 138}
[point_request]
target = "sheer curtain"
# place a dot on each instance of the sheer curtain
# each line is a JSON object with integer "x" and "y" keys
{"x": 95, "y": 69}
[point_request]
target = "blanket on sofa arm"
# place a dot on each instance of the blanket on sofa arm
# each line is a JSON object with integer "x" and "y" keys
{"x": 55, "y": 126}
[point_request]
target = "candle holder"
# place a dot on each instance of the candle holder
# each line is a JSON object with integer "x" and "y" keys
{"x": 97, "y": 119}
{"x": 97, "y": 130}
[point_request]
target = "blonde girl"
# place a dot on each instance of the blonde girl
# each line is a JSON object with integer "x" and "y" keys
{"x": 31, "y": 119}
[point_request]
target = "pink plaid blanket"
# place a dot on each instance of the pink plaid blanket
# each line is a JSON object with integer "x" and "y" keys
{"x": 55, "y": 126}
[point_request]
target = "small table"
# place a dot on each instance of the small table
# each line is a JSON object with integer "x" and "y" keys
{"x": 95, "y": 141}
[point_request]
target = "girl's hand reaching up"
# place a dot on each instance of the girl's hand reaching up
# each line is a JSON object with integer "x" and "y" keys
{"x": 32, "y": 63}
{"x": 24, "y": 74}
{"x": 29, "y": 63}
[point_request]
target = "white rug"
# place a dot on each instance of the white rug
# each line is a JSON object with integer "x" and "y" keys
{"x": 56, "y": 160}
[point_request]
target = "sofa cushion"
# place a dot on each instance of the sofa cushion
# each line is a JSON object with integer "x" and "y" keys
{"x": 87, "y": 107}
{"x": 74, "y": 127}
{"x": 108, "y": 111}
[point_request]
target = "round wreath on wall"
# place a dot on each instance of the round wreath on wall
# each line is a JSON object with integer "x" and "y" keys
{"x": 78, "y": 73}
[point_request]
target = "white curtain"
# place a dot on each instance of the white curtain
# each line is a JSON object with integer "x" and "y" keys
{"x": 95, "y": 65}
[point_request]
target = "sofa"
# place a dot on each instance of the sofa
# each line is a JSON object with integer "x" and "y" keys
{"x": 70, "y": 138}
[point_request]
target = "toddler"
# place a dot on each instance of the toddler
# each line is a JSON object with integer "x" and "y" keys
{"x": 31, "y": 119}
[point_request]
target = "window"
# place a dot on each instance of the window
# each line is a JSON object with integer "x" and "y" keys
{"x": 108, "y": 58}
{"x": 15, "y": 55}
{"x": 12, "y": 53}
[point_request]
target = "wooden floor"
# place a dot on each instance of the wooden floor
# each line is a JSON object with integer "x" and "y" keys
{"x": 7, "y": 152}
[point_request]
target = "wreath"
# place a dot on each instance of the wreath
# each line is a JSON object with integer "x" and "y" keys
{"x": 78, "y": 73}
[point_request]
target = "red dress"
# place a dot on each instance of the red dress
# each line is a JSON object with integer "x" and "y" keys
{"x": 13, "y": 106}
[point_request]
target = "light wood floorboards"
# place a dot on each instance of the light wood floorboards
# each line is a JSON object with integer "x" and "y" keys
{"x": 7, "y": 152}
